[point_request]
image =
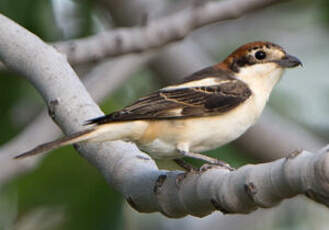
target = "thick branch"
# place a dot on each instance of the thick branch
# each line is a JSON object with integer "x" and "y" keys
{"x": 157, "y": 33}
{"x": 250, "y": 187}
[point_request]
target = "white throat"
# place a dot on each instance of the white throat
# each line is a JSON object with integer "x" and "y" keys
{"x": 261, "y": 79}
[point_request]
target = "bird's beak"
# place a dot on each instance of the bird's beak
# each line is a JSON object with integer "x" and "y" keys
{"x": 289, "y": 61}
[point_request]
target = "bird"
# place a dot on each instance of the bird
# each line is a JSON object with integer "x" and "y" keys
{"x": 206, "y": 110}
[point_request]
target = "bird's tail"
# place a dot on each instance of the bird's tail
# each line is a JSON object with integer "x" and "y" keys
{"x": 72, "y": 139}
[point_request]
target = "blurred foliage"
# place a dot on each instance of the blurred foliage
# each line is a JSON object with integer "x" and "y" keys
{"x": 324, "y": 11}
{"x": 34, "y": 15}
{"x": 7, "y": 99}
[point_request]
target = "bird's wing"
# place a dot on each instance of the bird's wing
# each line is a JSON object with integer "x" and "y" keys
{"x": 196, "y": 97}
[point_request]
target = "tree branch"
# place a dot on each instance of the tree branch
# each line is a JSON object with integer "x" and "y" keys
{"x": 157, "y": 33}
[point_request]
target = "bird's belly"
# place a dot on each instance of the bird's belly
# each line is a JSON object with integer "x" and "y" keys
{"x": 198, "y": 134}
{"x": 160, "y": 149}
{"x": 213, "y": 132}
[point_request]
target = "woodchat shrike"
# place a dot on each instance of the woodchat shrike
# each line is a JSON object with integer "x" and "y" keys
{"x": 208, "y": 109}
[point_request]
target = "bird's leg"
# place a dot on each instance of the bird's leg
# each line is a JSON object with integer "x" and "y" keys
{"x": 185, "y": 165}
{"x": 205, "y": 158}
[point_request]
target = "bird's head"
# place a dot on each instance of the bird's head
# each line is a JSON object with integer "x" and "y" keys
{"x": 259, "y": 53}
{"x": 259, "y": 62}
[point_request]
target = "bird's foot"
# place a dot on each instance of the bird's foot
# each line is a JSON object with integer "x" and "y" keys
{"x": 187, "y": 166}
{"x": 223, "y": 164}
{"x": 209, "y": 160}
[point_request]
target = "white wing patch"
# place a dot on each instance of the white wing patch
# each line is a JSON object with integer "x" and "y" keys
{"x": 198, "y": 83}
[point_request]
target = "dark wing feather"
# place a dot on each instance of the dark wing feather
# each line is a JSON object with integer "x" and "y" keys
{"x": 176, "y": 103}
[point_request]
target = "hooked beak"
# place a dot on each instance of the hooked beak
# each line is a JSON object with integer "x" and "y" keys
{"x": 289, "y": 61}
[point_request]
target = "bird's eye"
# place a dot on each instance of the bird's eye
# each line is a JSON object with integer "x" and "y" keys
{"x": 260, "y": 55}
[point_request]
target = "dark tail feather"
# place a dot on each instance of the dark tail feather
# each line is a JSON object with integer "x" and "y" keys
{"x": 46, "y": 147}
{"x": 98, "y": 120}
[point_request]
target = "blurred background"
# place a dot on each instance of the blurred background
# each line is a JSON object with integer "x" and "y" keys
{"x": 63, "y": 191}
